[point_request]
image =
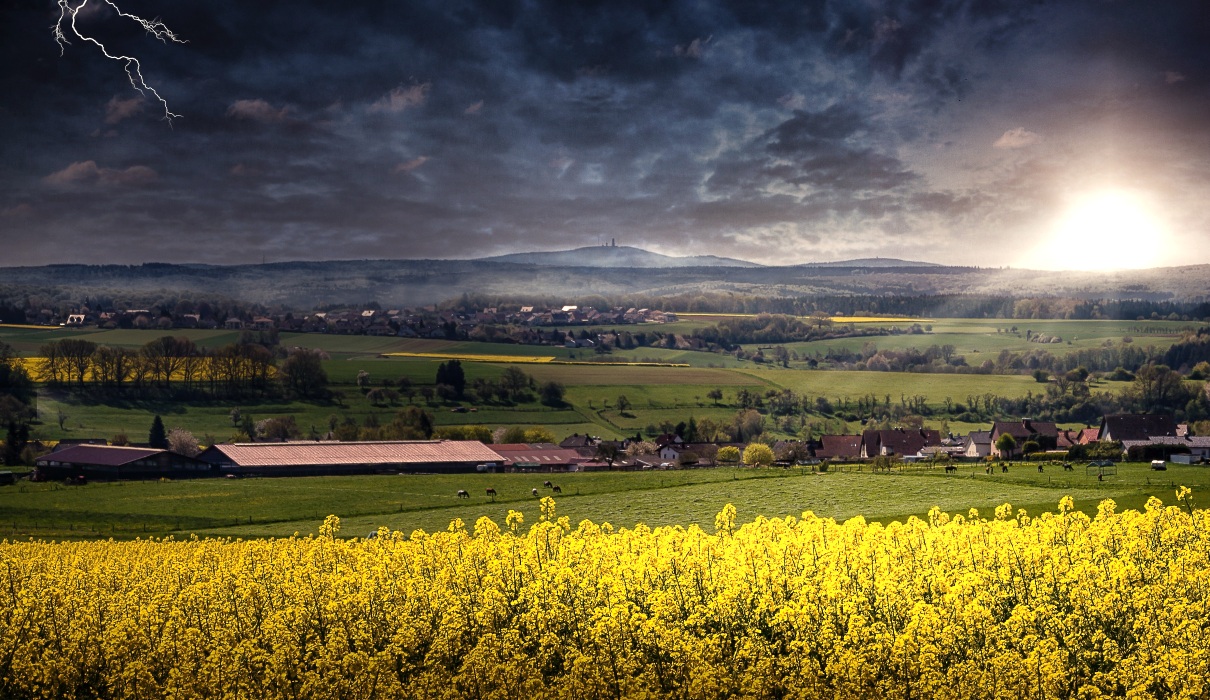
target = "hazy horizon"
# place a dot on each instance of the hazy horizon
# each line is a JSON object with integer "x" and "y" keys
{"x": 1042, "y": 136}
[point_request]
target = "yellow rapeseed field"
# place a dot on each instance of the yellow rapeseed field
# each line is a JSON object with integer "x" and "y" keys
{"x": 1008, "y": 606}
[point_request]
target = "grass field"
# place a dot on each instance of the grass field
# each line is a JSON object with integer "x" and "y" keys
{"x": 977, "y": 338}
{"x": 656, "y": 393}
{"x": 279, "y": 507}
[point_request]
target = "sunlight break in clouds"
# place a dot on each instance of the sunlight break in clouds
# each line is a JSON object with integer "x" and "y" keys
{"x": 1111, "y": 229}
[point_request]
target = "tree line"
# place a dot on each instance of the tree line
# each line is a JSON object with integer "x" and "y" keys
{"x": 178, "y": 366}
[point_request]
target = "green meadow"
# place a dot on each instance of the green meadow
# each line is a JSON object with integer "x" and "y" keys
{"x": 655, "y": 393}
{"x": 269, "y": 507}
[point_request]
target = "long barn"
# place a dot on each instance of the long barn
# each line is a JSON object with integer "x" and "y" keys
{"x": 325, "y": 458}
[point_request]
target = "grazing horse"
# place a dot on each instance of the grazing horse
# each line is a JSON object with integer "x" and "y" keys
{"x": 950, "y": 469}
{"x": 491, "y": 493}
{"x": 546, "y": 484}
{"x": 1067, "y": 467}
{"x": 534, "y": 492}
{"x": 1003, "y": 468}
{"x": 1039, "y": 468}
{"x": 556, "y": 489}
{"x": 463, "y": 494}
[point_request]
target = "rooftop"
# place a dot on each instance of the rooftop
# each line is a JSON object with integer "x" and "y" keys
{"x": 272, "y": 454}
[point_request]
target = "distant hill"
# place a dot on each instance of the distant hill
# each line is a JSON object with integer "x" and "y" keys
{"x": 611, "y": 256}
{"x": 568, "y": 276}
{"x": 873, "y": 262}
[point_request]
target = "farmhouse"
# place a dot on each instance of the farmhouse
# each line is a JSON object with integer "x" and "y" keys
{"x": 107, "y": 462}
{"x": 840, "y": 447}
{"x": 978, "y": 444}
{"x": 875, "y": 443}
{"x": 320, "y": 458}
{"x": 1132, "y": 426}
{"x": 1045, "y": 433}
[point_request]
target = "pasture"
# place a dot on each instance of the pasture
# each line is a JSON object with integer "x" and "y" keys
{"x": 279, "y": 507}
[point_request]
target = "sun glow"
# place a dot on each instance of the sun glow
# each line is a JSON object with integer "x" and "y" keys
{"x": 1108, "y": 230}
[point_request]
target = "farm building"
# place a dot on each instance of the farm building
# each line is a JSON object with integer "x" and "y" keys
{"x": 840, "y": 447}
{"x": 978, "y": 444}
{"x": 1197, "y": 447}
{"x": 875, "y": 443}
{"x": 1045, "y": 433}
{"x": 1133, "y": 426}
{"x": 325, "y": 458}
{"x": 108, "y": 462}
{"x": 539, "y": 457}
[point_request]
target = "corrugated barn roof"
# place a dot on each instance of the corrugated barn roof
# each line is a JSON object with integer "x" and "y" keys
{"x": 284, "y": 454}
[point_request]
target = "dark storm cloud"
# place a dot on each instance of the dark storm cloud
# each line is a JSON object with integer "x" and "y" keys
{"x": 463, "y": 128}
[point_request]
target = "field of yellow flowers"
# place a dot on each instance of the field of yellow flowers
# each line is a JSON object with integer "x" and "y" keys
{"x": 1056, "y": 606}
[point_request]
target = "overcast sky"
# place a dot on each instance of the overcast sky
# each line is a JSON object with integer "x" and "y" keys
{"x": 978, "y": 132}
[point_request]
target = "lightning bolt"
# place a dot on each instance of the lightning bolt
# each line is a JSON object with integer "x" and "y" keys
{"x": 156, "y": 28}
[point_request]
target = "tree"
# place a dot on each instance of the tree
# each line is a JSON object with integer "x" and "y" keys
{"x": 303, "y": 373}
{"x": 76, "y": 355}
{"x": 15, "y": 382}
{"x": 278, "y": 428}
{"x": 165, "y": 357}
{"x": 622, "y": 403}
{"x": 551, "y": 393}
{"x": 1030, "y": 446}
{"x": 451, "y": 374}
{"x": 158, "y": 437}
{"x": 111, "y": 367}
{"x": 512, "y": 435}
{"x": 1158, "y": 388}
{"x": 1005, "y": 444}
{"x": 645, "y": 447}
{"x": 607, "y": 451}
{"x": 758, "y": 454}
{"x": 715, "y": 395}
{"x": 747, "y": 425}
{"x": 514, "y": 382}
{"x": 538, "y": 434}
{"x": 183, "y": 442}
{"x": 411, "y": 423}
{"x": 728, "y": 454}
{"x": 14, "y": 442}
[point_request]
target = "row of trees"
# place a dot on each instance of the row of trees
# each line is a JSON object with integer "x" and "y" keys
{"x": 177, "y": 364}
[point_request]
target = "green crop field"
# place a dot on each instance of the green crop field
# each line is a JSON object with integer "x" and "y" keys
{"x": 280, "y": 507}
{"x": 935, "y": 387}
{"x": 656, "y": 394}
{"x": 974, "y": 337}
